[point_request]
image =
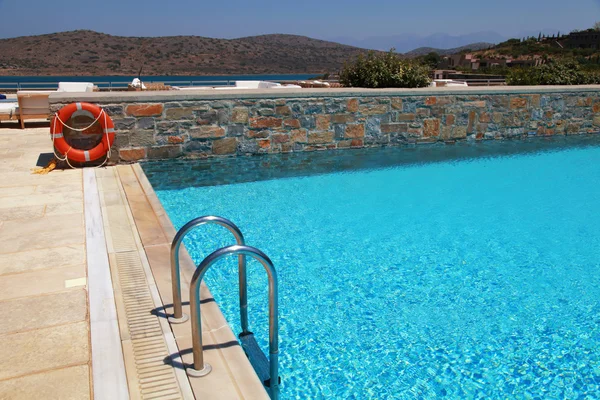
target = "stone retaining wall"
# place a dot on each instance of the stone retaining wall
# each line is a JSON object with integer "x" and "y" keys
{"x": 201, "y": 125}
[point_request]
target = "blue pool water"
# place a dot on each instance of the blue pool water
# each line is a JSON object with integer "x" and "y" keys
{"x": 458, "y": 272}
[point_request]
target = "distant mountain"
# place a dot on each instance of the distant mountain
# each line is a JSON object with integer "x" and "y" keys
{"x": 421, "y": 51}
{"x": 93, "y": 53}
{"x": 408, "y": 42}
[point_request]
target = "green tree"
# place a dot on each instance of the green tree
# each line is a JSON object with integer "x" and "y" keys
{"x": 432, "y": 59}
{"x": 552, "y": 73}
{"x": 384, "y": 70}
{"x": 597, "y": 26}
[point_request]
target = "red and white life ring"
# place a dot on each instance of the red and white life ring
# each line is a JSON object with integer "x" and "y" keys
{"x": 99, "y": 115}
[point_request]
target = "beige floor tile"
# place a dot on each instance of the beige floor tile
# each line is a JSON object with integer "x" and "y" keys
{"x": 43, "y": 258}
{"x": 63, "y": 384}
{"x": 72, "y": 207}
{"x": 17, "y": 191}
{"x": 67, "y": 237}
{"x": 53, "y": 223}
{"x": 108, "y": 183}
{"x": 27, "y": 212}
{"x": 111, "y": 198}
{"x": 43, "y": 349}
{"x": 58, "y": 188}
{"x": 39, "y": 282}
{"x": 43, "y": 311}
{"x": 37, "y": 199}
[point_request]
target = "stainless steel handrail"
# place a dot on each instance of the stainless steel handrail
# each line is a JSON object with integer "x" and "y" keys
{"x": 199, "y": 367}
{"x": 178, "y": 316}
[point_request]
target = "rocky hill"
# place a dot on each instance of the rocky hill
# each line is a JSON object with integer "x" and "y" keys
{"x": 421, "y": 51}
{"x": 93, "y": 53}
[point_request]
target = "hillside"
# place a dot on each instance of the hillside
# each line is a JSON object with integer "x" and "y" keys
{"x": 93, "y": 53}
{"x": 546, "y": 47}
{"x": 421, "y": 51}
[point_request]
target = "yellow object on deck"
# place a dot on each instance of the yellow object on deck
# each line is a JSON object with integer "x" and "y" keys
{"x": 43, "y": 171}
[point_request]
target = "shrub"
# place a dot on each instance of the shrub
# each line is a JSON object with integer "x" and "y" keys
{"x": 378, "y": 70}
{"x": 555, "y": 73}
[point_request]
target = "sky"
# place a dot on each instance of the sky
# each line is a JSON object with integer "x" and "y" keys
{"x": 325, "y": 19}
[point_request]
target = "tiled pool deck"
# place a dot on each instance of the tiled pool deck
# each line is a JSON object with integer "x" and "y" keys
{"x": 57, "y": 325}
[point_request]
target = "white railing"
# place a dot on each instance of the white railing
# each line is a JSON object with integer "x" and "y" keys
{"x": 108, "y": 85}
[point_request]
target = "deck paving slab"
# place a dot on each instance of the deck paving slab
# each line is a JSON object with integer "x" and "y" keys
{"x": 45, "y": 350}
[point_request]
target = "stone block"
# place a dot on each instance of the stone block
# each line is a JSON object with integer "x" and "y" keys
{"x": 262, "y": 134}
{"x": 449, "y": 119}
{"x": 396, "y": 103}
{"x": 266, "y": 104}
{"x": 145, "y": 123}
{"x": 415, "y": 132}
{"x": 299, "y": 135}
{"x": 373, "y": 126}
{"x": 167, "y": 128}
{"x": 144, "y": 110}
{"x": 124, "y": 124}
{"x": 141, "y": 138}
{"x": 207, "y": 132}
{"x": 584, "y": 102}
{"x": 224, "y": 146}
{"x": 179, "y": 113}
{"x": 574, "y": 128}
{"x": 423, "y": 112}
{"x": 280, "y": 138}
{"x": 113, "y": 110}
{"x": 291, "y": 123}
{"x": 239, "y": 115}
{"x": 596, "y": 120}
{"x": 199, "y": 146}
{"x": 518, "y": 102}
{"x": 373, "y": 109}
{"x": 335, "y": 106}
{"x": 206, "y": 117}
{"x": 342, "y": 118}
{"x": 265, "y": 122}
{"x": 122, "y": 140}
{"x": 164, "y": 152}
{"x": 430, "y": 101}
{"x": 175, "y": 139}
{"x": 500, "y": 101}
{"x": 307, "y": 122}
{"x": 264, "y": 144}
{"x": 132, "y": 154}
{"x": 471, "y": 123}
{"x": 320, "y": 137}
{"x": 352, "y": 105}
{"x": 395, "y": 127}
{"x": 459, "y": 132}
{"x": 485, "y": 117}
{"x": 235, "y": 130}
{"x": 313, "y": 108}
{"x": 265, "y": 112}
{"x": 354, "y": 131}
{"x": 476, "y": 104}
{"x": 596, "y": 107}
{"x": 322, "y": 122}
{"x": 283, "y": 110}
{"x": 406, "y": 117}
{"x": 431, "y": 128}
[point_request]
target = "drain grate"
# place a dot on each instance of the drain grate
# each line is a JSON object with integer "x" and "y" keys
{"x": 156, "y": 379}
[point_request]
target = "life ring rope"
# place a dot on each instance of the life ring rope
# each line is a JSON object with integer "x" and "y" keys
{"x": 82, "y": 129}
{"x": 56, "y": 132}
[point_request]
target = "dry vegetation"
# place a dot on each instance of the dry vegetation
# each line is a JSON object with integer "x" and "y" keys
{"x": 92, "y": 53}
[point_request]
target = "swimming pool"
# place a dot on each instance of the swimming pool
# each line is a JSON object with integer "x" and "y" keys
{"x": 467, "y": 271}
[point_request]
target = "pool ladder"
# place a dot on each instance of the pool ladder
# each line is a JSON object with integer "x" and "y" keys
{"x": 265, "y": 369}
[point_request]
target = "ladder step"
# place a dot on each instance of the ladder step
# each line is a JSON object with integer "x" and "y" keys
{"x": 257, "y": 358}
